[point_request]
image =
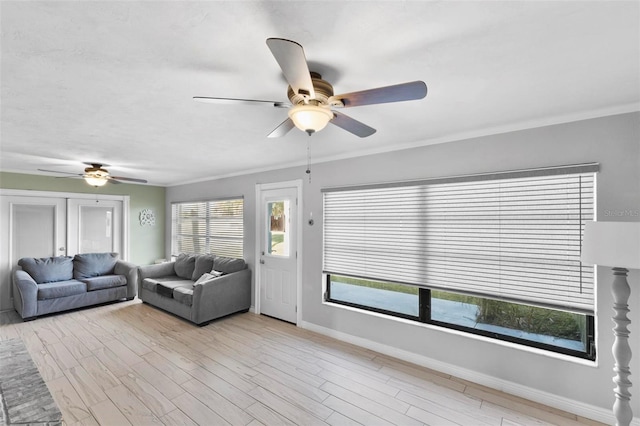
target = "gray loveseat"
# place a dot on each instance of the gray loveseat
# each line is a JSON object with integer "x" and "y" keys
{"x": 54, "y": 284}
{"x": 199, "y": 288}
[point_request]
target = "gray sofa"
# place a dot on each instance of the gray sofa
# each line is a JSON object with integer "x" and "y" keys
{"x": 199, "y": 288}
{"x": 54, "y": 284}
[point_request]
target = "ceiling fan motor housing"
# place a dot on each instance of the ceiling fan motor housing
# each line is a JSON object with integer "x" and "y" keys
{"x": 96, "y": 169}
{"x": 323, "y": 91}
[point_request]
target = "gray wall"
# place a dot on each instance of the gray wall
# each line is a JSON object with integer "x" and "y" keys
{"x": 613, "y": 141}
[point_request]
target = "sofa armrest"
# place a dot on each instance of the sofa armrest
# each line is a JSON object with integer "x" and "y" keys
{"x": 157, "y": 270}
{"x": 25, "y": 294}
{"x": 221, "y": 296}
{"x": 130, "y": 271}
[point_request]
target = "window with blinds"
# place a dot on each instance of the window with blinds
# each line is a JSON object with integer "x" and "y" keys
{"x": 513, "y": 236}
{"x": 208, "y": 227}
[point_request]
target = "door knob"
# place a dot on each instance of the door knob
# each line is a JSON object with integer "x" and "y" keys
{"x": 61, "y": 249}
{"x": 262, "y": 261}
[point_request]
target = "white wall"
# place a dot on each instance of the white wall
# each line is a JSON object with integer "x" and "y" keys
{"x": 613, "y": 141}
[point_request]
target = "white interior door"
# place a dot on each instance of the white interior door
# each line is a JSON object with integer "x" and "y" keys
{"x": 95, "y": 226}
{"x": 35, "y": 227}
{"x": 278, "y": 253}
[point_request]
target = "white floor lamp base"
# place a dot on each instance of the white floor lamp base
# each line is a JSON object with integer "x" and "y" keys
{"x": 621, "y": 349}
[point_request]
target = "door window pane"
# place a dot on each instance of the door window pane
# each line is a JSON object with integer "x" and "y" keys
{"x": 96, "y": 229}
{"x": 278, "y": 214}
{"x": 33, "y": 230}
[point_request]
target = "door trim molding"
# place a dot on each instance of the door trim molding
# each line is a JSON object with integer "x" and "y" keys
{"x": 54, "y": 194}
{"x": 126, "y": 200}
{"x": 297, "y": 184}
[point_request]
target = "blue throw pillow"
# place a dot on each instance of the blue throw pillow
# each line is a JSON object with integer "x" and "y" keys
{"x": 48, "y": 269}
{"x": 94, "y": 264}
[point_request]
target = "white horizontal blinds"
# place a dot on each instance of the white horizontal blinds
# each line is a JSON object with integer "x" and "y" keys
{"x": 226, "y": 227}
{"x": 189, "y": 228}
{"x": 208, "y": 227}
{"x": 514, "y": 236}
{"x": 375, "y": 233}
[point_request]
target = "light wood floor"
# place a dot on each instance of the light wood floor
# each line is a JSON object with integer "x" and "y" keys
{"x": 129, "y": 363}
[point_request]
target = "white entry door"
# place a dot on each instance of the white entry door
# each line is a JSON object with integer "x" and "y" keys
{"x": 278, "y": 253}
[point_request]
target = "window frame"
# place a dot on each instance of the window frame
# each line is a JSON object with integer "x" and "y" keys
{"x": 354, "y": 217}
{"x": 208, "y": 235}
{"x": 371, "y": 308}
{"x": 424, "y": 317}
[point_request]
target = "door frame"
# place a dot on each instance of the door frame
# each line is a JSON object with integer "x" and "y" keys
{"x": 297, "y": 184}
{"x": 86, "y": 196}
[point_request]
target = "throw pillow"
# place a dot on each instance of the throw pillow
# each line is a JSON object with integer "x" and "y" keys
{"x": 48, "y": 269}
{"x": 94, "y": 264}
{"x": 185, "y": 265}
{"x": 204, "y": 263}
{"x": 204, "y": 278}
{"x": 208, "y": 276}
{"x": 228, "y": 265}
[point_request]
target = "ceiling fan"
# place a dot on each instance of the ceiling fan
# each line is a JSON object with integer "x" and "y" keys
{"x": 97, "y": 176}
{"x": 311, "y": 98}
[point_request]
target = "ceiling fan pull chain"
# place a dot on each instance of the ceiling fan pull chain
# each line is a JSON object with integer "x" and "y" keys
{"x": 308, "y": 171}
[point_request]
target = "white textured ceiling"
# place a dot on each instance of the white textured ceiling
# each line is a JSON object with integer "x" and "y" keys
{"x": 113, "y": 82}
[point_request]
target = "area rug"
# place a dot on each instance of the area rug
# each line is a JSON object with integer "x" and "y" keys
{"x": 24, "y": 397}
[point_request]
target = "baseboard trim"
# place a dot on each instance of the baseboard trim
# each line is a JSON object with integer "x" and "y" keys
{"x": 546, "y": 398}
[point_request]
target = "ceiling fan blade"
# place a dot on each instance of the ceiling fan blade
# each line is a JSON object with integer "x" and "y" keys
{"x": 117, "y": 178}
{"x": 275, "y": 104}
{"x": 282, "y": 129}
{"x": 56, "y": 171}
{"x": 290, "y": 57}
{"x": 396, "y": 93}
{"x": 351, "y": 125}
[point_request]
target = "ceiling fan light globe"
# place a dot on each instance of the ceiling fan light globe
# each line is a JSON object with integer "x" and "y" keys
{"x": 96, "y": 179}
{"x": 310, "y": 118}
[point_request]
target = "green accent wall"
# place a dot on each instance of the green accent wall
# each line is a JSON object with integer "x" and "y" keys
{"x": 146, "y": 243}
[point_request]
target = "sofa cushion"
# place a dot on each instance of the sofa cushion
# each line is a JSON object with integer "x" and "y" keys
{"x": 228, "y": 265}
{"x": 185, "y": 265}
{"x": 152, "y": 284}
{"x": 48, "y": 269}
{"x": 167, "y": 288}
{"x": 149, "y": 284}
{"x": 204, "y": 263}
{"x": 104, "y": 281}
{"x": 94, "y": 264}
{"x": 183, "y": 295}
{"x": 54, "y": 290}
{"x": 164, "y": 291}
